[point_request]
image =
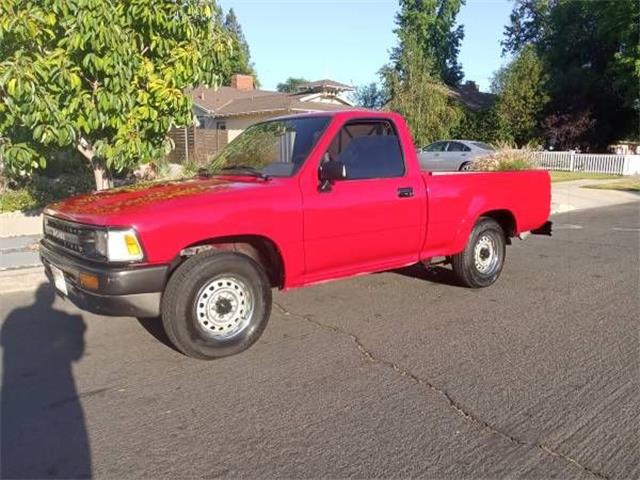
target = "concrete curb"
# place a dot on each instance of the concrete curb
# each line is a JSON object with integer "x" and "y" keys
{"x": 14, "y": 224}
{"x": 21, "y": 280}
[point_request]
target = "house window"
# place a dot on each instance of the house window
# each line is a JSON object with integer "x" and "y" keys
{"x": 221, "y": 125}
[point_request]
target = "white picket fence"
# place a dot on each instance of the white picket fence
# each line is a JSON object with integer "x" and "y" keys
{"x": 589, "y": 162}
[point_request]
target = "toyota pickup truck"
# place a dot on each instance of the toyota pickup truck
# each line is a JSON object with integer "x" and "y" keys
{"x": 291, "y": 202}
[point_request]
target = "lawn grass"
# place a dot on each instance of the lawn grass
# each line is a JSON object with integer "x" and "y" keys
{"x": 627, "y": 185}
{"x": 569, "y": 176}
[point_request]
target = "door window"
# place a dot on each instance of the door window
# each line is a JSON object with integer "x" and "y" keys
{"x": 369, "y": 149}
{"x": 436, "y": 147}
{"x": 457, "y": 147}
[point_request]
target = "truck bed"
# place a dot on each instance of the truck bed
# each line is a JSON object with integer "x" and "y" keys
{"x": 455, "y": 200}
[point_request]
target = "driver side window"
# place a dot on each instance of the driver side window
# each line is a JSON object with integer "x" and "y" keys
{"x": 368, "y": 149}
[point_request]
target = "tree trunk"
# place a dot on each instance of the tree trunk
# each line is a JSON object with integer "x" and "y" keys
{"x": 101, "y": 174}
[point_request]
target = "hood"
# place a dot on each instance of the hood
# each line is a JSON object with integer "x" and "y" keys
{"x": 104, "y": 207}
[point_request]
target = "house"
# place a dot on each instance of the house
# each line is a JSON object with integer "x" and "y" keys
{"x": 469, "y": 95}
{"x": 223, "y": 113}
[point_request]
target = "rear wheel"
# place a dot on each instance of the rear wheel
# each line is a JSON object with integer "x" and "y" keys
{"x": 466, "y": 166}
{"x": 481, "y": 262}
{"x": 216, "y": 304}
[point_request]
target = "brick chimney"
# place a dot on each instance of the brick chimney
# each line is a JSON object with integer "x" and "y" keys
{"x": 242, "y": 82}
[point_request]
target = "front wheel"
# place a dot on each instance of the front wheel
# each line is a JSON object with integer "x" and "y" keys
{"x": 481, "y": 262}
{"x": 216, "y": 304}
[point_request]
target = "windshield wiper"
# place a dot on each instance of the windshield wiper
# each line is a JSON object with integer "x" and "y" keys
{"x": 246, "y": 169}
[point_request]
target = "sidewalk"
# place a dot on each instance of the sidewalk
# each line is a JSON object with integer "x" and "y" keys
{"x": 19, "y": 252}
{"x": 568, "y": 196}
{"x": 17, "y": 223}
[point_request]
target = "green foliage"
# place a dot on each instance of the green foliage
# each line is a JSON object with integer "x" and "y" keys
{"x": 528, "y": 23}
{"x": 370, "y": 96}
{"x": 432, "y": 24}
{"x": 38, "y": 191}
{"x": 479, "y": 125}
{"x": 291, "y": 84}
{"x": 591, "y": 54}
{"x": 423, "y": 99}
{"x": 190, "y": 168}
{"x": 101, "y": 76}
{"x": 255, "y": 147}
{"x": 522, "y": 97}
{"x": 240, "y": 59}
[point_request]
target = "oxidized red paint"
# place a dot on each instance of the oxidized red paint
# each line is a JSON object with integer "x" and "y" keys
{"x": 360, "y": 226}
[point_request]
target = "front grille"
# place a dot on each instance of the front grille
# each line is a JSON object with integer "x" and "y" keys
{"x": 71, "y": 236}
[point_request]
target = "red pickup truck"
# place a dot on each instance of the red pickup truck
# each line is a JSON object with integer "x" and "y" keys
{"x": 291, "y": 202}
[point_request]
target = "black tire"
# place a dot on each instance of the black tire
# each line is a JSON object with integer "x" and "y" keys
{"x": 191, "y": 281}
{"x": 491, "y": 256}
{"x": 466, "y": 166}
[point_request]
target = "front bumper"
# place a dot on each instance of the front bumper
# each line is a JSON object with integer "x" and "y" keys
{"x": 133, "y": 291}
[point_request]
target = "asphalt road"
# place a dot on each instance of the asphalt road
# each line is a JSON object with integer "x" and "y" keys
{"x": 390, "y": 375}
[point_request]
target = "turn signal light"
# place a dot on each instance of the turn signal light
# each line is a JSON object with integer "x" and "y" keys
{"x": 132, "y": 245}
{"x": 89, "y": 281}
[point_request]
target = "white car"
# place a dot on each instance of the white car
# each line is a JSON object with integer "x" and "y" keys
{"x": 452, "y": 155}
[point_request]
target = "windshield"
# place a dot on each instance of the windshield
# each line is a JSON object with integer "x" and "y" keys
{"x": 275, "y": 148}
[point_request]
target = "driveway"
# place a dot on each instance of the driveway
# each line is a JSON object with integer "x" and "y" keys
{"x": 391, "y": 375}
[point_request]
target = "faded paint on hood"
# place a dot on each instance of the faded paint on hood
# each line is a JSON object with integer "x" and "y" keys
{"x": 93, "y": 208}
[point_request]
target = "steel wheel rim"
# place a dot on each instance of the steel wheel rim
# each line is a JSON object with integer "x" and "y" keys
{"x": 485, "y": 255}
{"x": 224, "y": 307}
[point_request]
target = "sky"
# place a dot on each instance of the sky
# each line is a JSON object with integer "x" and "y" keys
{"x": 349, "y": 40}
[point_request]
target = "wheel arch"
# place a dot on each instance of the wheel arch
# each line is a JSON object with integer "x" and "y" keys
{"x": 261, "y": 249}
{"x": 505, "y": 218}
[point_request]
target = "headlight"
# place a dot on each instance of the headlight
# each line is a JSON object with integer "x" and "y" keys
{"x": 119, "y": 245}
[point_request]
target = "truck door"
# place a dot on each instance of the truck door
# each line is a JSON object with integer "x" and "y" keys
{"x": 372, "y": 219}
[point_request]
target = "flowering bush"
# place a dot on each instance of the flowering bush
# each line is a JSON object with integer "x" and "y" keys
{"x": 505, "y": 159}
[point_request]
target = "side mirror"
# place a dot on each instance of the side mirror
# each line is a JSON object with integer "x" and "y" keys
{"x": 330, "y": 172}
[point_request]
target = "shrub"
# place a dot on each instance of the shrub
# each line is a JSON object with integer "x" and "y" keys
{"x": 505, "y": 159}
{"x": 40, "y": 190}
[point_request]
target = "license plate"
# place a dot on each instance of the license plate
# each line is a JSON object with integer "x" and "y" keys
{"x": 58, "y": 279}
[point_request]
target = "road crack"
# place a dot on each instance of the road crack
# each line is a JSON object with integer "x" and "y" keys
{"x": 453, "y": 405}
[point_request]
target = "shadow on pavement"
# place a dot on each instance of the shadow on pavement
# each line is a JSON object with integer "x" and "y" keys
{"x": 155, "y": 328}
{"x": 43, "y": 431}
{"x": 436, "y": 274}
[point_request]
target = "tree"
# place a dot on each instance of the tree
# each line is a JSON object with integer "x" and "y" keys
{"x": 569, "y": 131}
{"x": 522, "y": 98}
{"x": 479, "y": 125}
{"x": 291, "y": 84}
{"x": 432, "y": 24}
{"x": 106, "y": 78}
{"x": 240, "y": 61}
{"x": 528, "y": 24}
{"x": 370, "y": 96}
{"x": 591, "y": 53}
{"x": 425, "y": 102}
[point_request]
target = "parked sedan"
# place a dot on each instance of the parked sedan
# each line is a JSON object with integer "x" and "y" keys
{"x": 452, "y": 155}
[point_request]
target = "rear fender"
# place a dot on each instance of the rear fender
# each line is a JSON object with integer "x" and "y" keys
{"x": 504, "y": 217}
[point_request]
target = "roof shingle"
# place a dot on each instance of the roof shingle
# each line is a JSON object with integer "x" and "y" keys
{"x": 228, "y": 101}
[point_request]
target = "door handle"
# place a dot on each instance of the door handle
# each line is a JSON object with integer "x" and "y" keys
{"x": 405, "y": 192}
